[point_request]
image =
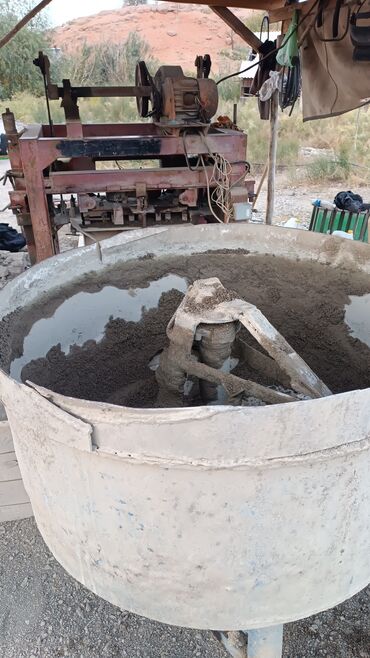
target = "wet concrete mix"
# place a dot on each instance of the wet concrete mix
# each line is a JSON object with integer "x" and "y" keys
{"x": 305, "y": 301}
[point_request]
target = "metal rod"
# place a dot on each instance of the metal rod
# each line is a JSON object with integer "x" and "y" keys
{"x": 234, "y": 642}
{"x": 106, "y": 92}
{"x": 50, "y": 120}
{"x": 26, "y": 19}
{"x": 265, "y": 642}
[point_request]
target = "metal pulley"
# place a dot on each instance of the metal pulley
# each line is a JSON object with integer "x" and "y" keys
{"x": 142, "y": 79}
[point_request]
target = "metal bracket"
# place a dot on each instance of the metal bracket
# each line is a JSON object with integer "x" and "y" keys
{"x": 208, "y": 302}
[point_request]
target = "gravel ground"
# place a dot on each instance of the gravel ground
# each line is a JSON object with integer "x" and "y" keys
{"x": 295, "y": 201}
{"x": 44, "y": 613}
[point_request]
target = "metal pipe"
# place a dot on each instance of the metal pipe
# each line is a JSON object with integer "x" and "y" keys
{"x": 215, "y": 349}
{"x": 265, "y": 642}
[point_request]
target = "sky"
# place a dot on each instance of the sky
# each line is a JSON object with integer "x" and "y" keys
{"x": 61, "y": 11}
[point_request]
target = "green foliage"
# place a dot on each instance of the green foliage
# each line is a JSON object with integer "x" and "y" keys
{"x": 254, "y": 21}
{"x": 229, "y": 90}
{"x": 343, "y": 162}
{"x": 31, "y": 109}
{"x": 107, "y": 63}
{"x": 237, "y": 53}
{"x": 288, "y": 149}
{"x": 17, "y": 71}
{"x": 321, "y": 168}
{"x": 329, "y": 169}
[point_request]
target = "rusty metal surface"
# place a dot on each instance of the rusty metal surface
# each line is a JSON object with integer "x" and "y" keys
{"x": 18, "y": 197}
{"x": 114, "y": 180}
{"x": 44, "y": 236}
{"x": 36, "y": 151}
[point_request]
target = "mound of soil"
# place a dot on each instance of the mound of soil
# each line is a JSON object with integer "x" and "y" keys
{"x": 175, "y": 34}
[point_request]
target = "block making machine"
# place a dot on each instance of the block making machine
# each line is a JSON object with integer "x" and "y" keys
{"x": 174, "y": 166}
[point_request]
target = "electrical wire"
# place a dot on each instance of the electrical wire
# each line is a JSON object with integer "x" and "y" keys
{"x": 189, "y": 166}
{"x": 290, "y": 86}
{"x": 331, "y": 78}
{"x": 221, "y": 195}
{"x": 220, "y": 179}
{"x": 221, "y": 173}
{"x": 272, "y": 52}
{"x": 208, "y": 186}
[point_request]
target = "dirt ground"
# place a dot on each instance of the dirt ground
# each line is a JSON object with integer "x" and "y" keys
{"x": 44, "y": 613}
{"x": 295, "y": 200}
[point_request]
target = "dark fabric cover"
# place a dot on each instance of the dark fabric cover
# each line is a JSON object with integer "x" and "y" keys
{"x": 10, "y": 239}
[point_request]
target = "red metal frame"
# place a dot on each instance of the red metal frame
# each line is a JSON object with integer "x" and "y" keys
{"x": 36, "y": 151}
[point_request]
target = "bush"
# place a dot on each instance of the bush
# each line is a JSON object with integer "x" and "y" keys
{"x": 254, "y": 21}
{"x": 17, "y": 71}
{"x": 326, "y": 169}
{"x": 238, "y": 53}
{"x": 107, "y": 63}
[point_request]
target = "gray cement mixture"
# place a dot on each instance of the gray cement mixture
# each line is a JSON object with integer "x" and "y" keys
{"x": 305, "y": 301}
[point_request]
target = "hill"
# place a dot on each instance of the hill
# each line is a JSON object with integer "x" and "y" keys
{"x": 175, "y": 34}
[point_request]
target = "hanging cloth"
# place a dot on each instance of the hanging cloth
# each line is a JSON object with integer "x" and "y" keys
{"x": 262, "y": 74}
{"x": 288, "y": 53}
{"x": 332, "y": 81}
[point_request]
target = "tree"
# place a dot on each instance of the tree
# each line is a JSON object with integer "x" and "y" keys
{"x": 17, "y": 71}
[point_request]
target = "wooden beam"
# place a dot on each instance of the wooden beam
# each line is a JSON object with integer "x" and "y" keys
{"x": 237, "y": 26}
{"x": 26, "y": 19}
{"x": 278, "y": 14}
{"x": 260, "y": 184}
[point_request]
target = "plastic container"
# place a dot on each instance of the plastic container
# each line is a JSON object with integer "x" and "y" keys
{"x": 293, "y": 222}
{"x": 322, "y": 203}
{"x": 344, "y": 234}
{"x": 242, "y": 211}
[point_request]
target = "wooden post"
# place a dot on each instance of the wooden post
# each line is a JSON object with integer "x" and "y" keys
{"x": 274, "y": 123}
{"x": 237, "y": 26}
{"x": 26, "y": 19}
{"x": 260, "y": 184}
